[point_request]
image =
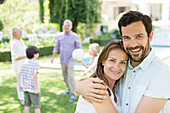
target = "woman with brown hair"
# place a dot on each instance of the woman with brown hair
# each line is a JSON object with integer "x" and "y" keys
{"x": 111, "y": 66}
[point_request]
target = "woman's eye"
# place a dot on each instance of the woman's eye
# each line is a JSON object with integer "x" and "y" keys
{"x": 112, "y": 60}
{"x": 123, "y": 62}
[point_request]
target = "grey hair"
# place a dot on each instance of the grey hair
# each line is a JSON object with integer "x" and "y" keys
{"x": 14, "y": 30}
{"x": 68, "y": 21}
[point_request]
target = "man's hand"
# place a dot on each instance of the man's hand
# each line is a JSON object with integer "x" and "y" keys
{"x": 92, "y": 89}
{"x": 52, "y": 60}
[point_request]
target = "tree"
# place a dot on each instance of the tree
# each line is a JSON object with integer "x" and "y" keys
{"x": 18, "y": 13}
{"x": 41, "y": 11}
{"x": 84, "y": 11}
{"x": 1, "y": 25}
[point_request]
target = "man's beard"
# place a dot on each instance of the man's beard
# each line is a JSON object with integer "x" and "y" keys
{"x": 143, "y": 55}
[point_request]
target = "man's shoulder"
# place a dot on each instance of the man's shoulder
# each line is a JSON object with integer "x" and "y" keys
{"x": 159, "y": 65}
{"x": 60, "y": 34}
{"x": 74, "y": 34}
{"x": 35, "y": 62}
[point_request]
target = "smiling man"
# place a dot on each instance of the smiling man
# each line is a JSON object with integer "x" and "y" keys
{"x": 145, "y": 85}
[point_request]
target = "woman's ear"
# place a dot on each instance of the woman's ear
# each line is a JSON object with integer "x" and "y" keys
{"x": 103, "y": 63}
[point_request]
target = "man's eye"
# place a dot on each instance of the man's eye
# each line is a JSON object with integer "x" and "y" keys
{"x": 139, "y": 36}
{"x": 125, "y": 38}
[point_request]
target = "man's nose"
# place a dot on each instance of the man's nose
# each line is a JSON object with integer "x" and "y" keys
{"x": 133, "y": 43}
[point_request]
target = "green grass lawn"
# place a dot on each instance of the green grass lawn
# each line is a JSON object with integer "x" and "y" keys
{"x": 52, "y": 87}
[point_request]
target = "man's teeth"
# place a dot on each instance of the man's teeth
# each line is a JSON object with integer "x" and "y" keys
{"x": 135, "y": 50}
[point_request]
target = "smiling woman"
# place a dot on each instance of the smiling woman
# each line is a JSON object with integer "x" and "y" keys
{"x": 111, "y": 65}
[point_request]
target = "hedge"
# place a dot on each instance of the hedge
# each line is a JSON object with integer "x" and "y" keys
{"x": 101, "y": 42}
{"x": 104, "y": 38}
{"x": 44, "y": 51}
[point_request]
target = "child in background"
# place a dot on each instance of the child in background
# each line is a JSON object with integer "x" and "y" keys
{"x": 31, "y": 86}
{"x": 94, "y": 50}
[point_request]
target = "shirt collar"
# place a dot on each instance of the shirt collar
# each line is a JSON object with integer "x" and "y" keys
{"x": 32, "y": 59}
{"x": 146, "y": 62}
{"x": 68, "y": 33}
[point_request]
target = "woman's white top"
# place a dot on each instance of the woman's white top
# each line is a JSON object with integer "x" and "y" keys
{"x": 84, "y": 106}
{"x": 18, "y": 49}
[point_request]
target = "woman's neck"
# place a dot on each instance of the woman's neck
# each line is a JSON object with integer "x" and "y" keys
{"x": 111, "y": 84}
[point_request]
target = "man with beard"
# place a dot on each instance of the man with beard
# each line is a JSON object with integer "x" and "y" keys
{"x": 145, "y": 85}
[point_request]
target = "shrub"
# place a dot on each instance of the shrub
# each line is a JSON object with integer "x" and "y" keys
{"x": 104, "y": 38}
{"x": 44, "y": 51}
{"x": 1, "y": 25}
{"x": 5, "y": 56}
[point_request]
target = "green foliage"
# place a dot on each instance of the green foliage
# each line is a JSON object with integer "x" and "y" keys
{"x": 46, "y": 48}
{"x": 1, "y": 25}
{"x": 84, "y": 11}
{"x": 44, "y": 51}
{"x": 41, "y": 10}
{"x": 19, "y": 13}
{"x": 48, "y": 26}
{"x": 81, "y": 30}
{"x": 5, "y": 56}
{"x": 104, "y": 38}
{"x": 52, "y": 87}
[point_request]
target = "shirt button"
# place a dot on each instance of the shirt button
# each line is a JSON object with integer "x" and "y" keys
{"x": 128, "y": 87}
{"x": 134, "y": 71}
{"x": 126, "y": 104}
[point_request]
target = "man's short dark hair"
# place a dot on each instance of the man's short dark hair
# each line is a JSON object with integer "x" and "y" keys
{"x": 30, "y": 51}
{"x": 135, "y": 16}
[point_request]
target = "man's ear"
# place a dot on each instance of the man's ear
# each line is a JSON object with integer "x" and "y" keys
{"x": 151, "y": 36}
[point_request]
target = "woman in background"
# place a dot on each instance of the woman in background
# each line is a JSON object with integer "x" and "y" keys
{"x": 18, "y": 53}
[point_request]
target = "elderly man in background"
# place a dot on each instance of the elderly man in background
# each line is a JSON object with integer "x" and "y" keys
{"x": 67, "y": 42}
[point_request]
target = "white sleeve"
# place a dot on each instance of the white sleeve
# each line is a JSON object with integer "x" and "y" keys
{"x": 14, "y": 50}
{"x": 160, "y": 84}
{"x": 84, "y": 107}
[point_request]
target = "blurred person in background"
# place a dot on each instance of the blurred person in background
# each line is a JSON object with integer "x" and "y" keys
{"x": 18, "y": 53}
{"x": 67, "y": 42}
{"x": 94, "y": 50}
